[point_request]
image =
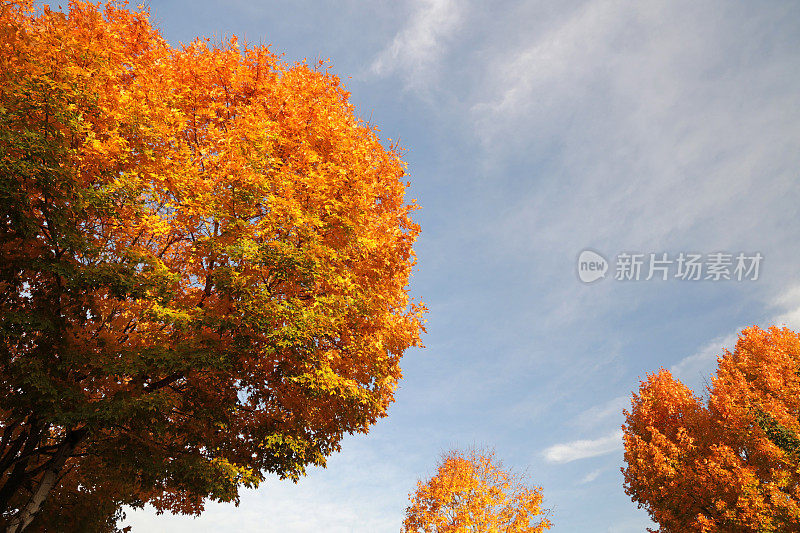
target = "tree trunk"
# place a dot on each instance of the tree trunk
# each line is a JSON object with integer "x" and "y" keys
{"x": 48, "y": 480}
{"x": 20, "y": 458}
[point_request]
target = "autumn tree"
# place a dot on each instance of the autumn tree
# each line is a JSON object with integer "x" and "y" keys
{"x": 203, "y": 272}
{"x": 730, "y": 462}
{"x": 473, "y": 492}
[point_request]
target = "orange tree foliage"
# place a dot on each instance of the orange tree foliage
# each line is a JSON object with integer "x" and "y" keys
{"x": 204, "y": 266}
{"x": 730, "y": 463}
{"x": 473, "y": 492}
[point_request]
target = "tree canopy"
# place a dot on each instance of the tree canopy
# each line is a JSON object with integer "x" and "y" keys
{"x": 473, "y": 492}
{"x": 729, "y": 463}
{"x": 204, "y": 267}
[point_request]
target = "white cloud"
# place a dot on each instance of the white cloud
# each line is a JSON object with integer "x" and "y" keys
{"x": 583, "y": 449}
{"x": 790, "y": 302}
{"x": 417, "y": 48}
{"x": 657, "y": 128}
{"x": 557, "y": 64}
{"x": 702, "y": 364}
{"x": 601, "y": 414}
{"x": 591, "y": 476}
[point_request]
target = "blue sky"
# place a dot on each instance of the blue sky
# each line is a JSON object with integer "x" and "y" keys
{"x": 535, "y": 130}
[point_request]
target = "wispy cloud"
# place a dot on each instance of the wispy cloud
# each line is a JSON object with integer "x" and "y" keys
{"x": 556, "y": 66}
{"x": 789, "y": 301}
{"x": 583, "y": 449}
{"x": 651, "y": 136}
{"x": 417, "y": 48}
{"x": 701, "y": 364}
{"x": 598, "y": 415}
{"x": 591, "y": 476}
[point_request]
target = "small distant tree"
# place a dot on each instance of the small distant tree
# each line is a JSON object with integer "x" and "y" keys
{"x": 473, "y": 492}
{"x": 732, "y": 462}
